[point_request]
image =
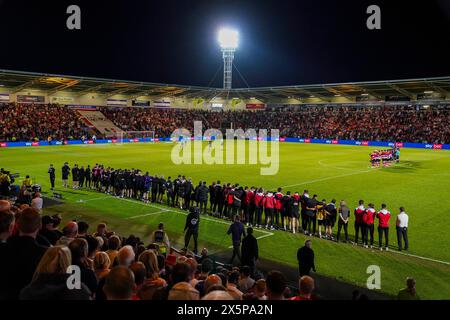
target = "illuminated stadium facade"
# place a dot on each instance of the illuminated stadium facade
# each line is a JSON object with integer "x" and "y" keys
{"x": 27, "y": 87}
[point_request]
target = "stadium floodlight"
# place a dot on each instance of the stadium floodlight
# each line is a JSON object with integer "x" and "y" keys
{"x": 228, "y": 38}
{"x": 229, "y": 41}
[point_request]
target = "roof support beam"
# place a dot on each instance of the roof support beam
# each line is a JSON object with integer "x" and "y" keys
{"x": 121, "y": 90}
{"x": 64, "y": 86}
{"x": 434, "y": 86}
{"x": 315, "y": 95}
{"x": 400, "y": 90}
{"x": 26, "y": 84}
{"x": 337, "y": 92}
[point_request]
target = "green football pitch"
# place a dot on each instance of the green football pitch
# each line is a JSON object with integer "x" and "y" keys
{"x": 420, "y": 183}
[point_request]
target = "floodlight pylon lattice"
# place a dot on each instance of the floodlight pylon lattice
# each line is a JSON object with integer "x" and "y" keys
{"x": 229, "y": 40}
{"x": 228, "y": 56}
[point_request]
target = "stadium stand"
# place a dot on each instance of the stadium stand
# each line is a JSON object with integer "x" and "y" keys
{"x": 375, "y": 123}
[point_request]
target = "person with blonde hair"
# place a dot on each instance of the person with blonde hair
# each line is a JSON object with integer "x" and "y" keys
{"x": 50, "y": 278}
{"x": 101, "y": 265}
{"x": 153, "y": 280}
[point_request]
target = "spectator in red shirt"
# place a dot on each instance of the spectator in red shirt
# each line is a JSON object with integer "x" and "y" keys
{"x": 306, "y": 287}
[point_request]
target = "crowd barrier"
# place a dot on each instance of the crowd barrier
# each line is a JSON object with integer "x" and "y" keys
{"x": 295, "y": 140}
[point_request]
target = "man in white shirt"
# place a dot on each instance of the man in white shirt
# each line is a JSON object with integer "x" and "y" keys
{"x": 37, "y": 202}
{"x": 402, "y": 229}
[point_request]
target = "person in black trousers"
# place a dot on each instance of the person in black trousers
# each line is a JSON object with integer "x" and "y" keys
{"x": 237, "y": 231}
{"x": 191, "y": 227}
{"x": 305, "y": 258}
{"x": 51, "y": 172}
{"x": 402, "y": 229}
{"x": 344, "y": 215}
{"x": 249, "y": 250}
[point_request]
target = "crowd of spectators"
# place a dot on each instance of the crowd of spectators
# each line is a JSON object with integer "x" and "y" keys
{"x": 28, "y": 122}
{"x": 386, "y": 123}
{"x": 24, "y": 122}
{"x": 36, "y": 255}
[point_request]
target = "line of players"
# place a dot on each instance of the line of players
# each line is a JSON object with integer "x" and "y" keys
{"x": 280, "y": 211}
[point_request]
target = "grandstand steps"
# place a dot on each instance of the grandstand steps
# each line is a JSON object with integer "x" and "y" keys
{"x": 97, "y": 120}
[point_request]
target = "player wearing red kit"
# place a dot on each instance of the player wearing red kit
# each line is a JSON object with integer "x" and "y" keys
{"x": 250, "y": 206}
{"x": 383, "y": 227}
{"x": 278, "y": 208}
{"x": 259, "y": 196}
{"x": 368, "y": 220}
{"x": 269, "y": 205}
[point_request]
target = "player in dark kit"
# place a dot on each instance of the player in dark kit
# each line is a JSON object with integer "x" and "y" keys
{"x": 359, "y": 212}
{"x": 87, "y": 174}
{"x": 65, "y": 174}
{"x": 191, "y": 228}
{"x": 51, "y": 172}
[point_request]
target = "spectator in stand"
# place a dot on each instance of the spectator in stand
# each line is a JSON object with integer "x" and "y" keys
{"x": 180, "y": 273}
{"x": 6, "y": 230}
{"x": 183, "y": 291}
{"x": 50, "y": 278}
{"x": 408, "y": 293}
{"x": 232, "y": 285}
{"x": 37, "y": 202}
{"x": 23, "y": 253}
{"x": 305, "y": 258}
{"x": 70, "y": 232}
{"x": 218, "y": 295}
{"x": 305, "y": 288}
{"x": 139, "y": 273}
{"x": 276, "y": 285}
{"x": 119, "y": 284}
{"x": 153, "y": 280}
{"x": 48, "y": 230}
{"x": 83, "y": 228}
{"x": 101, "y": 265}
{"x": 245, "y": 281}
{"x": 126, "y": 256}
{"x": 79, "y": 249}
{"x": 113, "y": 248}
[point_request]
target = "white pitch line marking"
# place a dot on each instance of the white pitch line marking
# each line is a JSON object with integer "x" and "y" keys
{"x": 148, "y": 214}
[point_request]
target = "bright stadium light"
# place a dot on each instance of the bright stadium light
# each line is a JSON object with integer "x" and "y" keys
{"x": 229, "y": 41}
{"x": 228, "y": 38}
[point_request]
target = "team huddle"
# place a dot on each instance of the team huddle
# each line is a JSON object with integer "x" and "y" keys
{"x": 385, "y": 158}
{"x": 259, "y": 208}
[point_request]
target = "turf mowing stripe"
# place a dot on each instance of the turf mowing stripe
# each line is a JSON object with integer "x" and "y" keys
{"x": 329, "y": 178}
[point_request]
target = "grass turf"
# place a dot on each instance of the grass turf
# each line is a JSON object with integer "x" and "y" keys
{"x": 420, "y": 183}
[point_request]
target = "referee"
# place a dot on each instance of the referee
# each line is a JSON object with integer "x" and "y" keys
{"x": 402, "y": 229}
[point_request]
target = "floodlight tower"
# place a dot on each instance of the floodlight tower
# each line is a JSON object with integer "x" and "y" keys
{"x": 228, "y": 40}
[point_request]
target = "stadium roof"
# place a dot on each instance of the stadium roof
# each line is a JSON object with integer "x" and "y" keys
{"x": 17, "y": 81}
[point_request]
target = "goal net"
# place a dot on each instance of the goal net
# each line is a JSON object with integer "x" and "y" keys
{"x": 135, "y": 136}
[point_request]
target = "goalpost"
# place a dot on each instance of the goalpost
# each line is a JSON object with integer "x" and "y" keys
{"x": 135, "y": 136}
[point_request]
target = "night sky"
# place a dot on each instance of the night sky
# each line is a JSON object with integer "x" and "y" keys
{"x": 281, "y": 42}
